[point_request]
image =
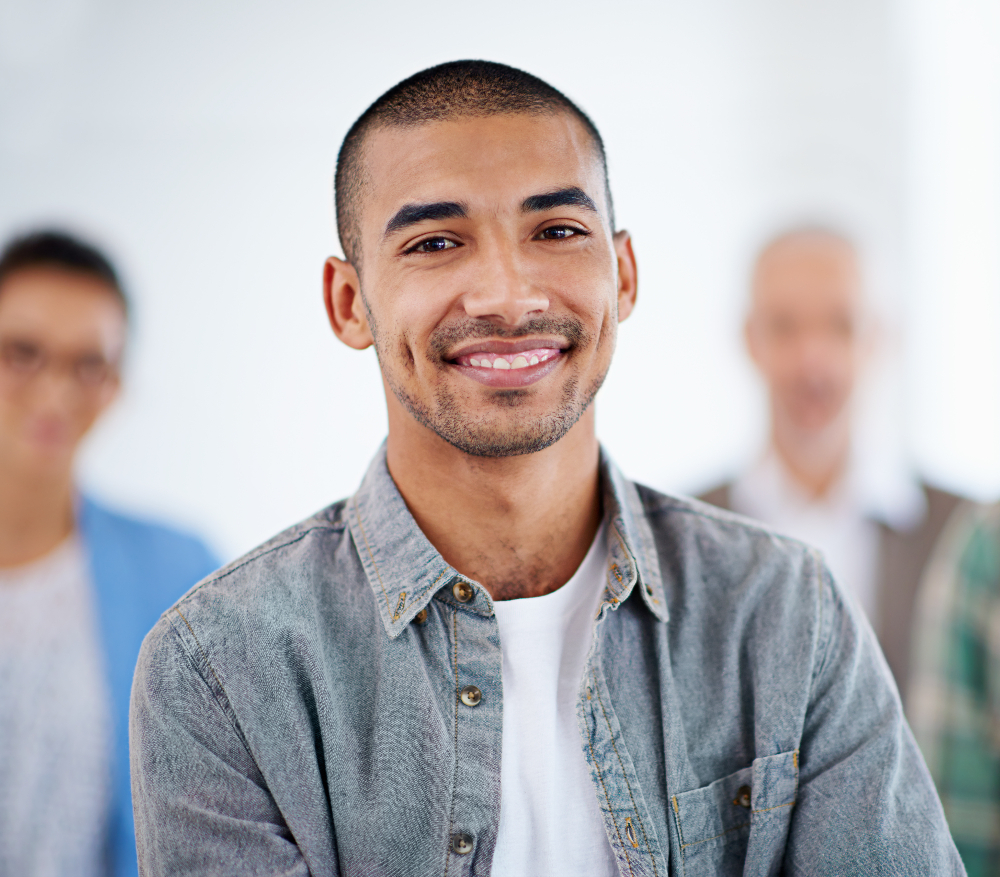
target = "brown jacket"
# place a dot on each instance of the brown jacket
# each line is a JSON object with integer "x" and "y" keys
{"x": 902, "y": 557}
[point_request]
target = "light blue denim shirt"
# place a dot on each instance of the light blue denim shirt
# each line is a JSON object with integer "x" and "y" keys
{"x": 299, "y": 711}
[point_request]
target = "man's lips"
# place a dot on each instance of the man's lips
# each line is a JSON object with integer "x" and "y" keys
{"x": 508, "y": 364}
{"x": 508, "y": 361}
{"x": 48, "y": 432}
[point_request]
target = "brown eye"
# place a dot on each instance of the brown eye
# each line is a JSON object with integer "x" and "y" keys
{"x": 433, "y": 245}
{"x": 21, "y": 356}
{"x": 560, "y": 233}
{"x": 782, "y": 327}
{"x": 92, "y": 370}
{"x": 842, "y": 327}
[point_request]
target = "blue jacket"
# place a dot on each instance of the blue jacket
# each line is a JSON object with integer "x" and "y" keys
{"x": 298, "y": 712}
{"x": 138, "y": 569}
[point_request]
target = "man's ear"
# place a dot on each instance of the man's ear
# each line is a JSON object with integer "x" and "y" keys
{"x": 344, "y": 306}
{"x": 628, "y": 277}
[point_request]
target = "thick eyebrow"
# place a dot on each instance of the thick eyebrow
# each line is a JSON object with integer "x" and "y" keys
{"x": 571, "y": 197}
{"x": 411, "y": 214}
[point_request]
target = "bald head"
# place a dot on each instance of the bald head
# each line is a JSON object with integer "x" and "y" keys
{"x": 807, "y": 266}
{"x": 806, "y": 329}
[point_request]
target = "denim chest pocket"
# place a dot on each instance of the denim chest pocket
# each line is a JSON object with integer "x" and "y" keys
{"x": 738, "y": 824}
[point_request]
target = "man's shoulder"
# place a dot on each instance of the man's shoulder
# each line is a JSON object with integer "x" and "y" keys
{"x": 715, "y": 553}
{"x": 918, "y": 540}
{"x": 271, "y": 609}
{"x": 140, "y": 556}
{"x": 675, "y": 510}
{"x": 279, "y": 574}
{"x": 940, "y": 504}
{"x": 130, "y": 524}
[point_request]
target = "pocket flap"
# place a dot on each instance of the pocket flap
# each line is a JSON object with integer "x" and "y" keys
{"x": 728, "y": 806}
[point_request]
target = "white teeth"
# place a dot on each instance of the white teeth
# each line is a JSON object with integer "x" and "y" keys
{"x": 520, "y": 361}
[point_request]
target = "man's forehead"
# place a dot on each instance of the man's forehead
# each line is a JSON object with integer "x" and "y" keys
{"x": 57, "y": 304}
{"x": 498, "y": 159}
{"x": 808, "y": 268}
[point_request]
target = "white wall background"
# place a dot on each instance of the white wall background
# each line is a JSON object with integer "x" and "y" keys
{"x": 196, "y": 141}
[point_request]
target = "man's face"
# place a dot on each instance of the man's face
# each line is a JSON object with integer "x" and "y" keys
{"x": 805, "y": 330}
{"x": 490, "y": 275}
{"x": 61, "y": 336}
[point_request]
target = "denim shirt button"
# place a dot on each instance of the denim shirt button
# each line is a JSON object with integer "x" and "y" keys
{"x": 471, "y": 695}
{"x": 742, "y": 798}
{"x": 463, "y": 591}
{"x": 461, "y": 844}
{"x": 421, "y": 616}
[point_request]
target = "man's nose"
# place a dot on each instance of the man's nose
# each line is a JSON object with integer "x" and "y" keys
{"x": 819, "y": 350}
{"x": 503, "y": 287}
{"x": 56, "y": 386}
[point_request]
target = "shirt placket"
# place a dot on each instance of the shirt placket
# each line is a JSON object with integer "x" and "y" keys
{"x": 474, "y": 812}
{"x": 619, "y": 795}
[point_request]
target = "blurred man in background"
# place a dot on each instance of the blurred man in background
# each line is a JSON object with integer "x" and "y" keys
{"x": 810, "y": 333}
{"x": 79, "y": 585}
{"x": 955, "y": 690}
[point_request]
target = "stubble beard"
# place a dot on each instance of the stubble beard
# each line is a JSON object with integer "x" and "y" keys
{"x": 503, "y": 430}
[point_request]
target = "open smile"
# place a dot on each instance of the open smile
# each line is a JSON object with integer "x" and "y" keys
{"x": 499, "y": 364}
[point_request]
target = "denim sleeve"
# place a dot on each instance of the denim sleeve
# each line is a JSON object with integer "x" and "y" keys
{"x": 866, "y": 803}
{"x": 201, "y": 804}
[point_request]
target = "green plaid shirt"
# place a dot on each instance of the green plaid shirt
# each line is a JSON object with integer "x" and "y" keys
{"x": 955, "y": 690}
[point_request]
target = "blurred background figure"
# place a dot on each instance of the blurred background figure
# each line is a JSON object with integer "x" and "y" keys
{"x": 80, "y": 585}
{"x": 810, "y": 334}
{"x": 955, "y": 690}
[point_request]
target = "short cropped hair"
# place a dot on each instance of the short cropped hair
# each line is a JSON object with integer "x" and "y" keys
{"x": 448, "y": 91}
{"x": 52, "y": 248}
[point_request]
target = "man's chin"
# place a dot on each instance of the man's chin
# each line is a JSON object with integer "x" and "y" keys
{"x": 512, "y": 423}
{"x": 508, "y": 433}
{"x": 814, "y": 422}
{"x": 496, "y": 446}
{"x": 45, "y": 461}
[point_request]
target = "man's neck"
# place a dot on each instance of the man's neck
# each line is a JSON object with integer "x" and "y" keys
{"x": 815, "y": 460}
{"x": 36, "y": 514}
{"x": 520, "y": 526}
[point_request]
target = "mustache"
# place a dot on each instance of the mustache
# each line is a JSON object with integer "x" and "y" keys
{"x": 446, "y": 338}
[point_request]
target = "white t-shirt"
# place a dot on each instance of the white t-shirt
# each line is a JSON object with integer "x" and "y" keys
{"x": 550, "y": 821}
{"x": 55, "y": 720}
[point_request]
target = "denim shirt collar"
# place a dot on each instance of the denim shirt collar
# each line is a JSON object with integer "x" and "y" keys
{"x": 405, "y": 571}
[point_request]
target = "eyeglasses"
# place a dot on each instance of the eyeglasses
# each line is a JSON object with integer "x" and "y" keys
{"x": 21, "y": 361}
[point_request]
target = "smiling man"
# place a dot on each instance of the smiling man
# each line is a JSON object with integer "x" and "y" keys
{"x": 500, "y": 656}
